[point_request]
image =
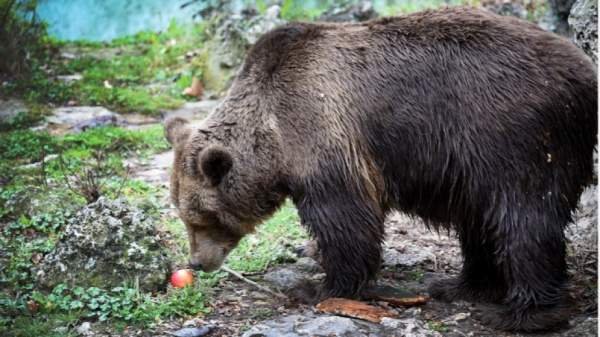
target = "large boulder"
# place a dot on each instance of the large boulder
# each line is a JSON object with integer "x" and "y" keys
{"x": 584, "y": 24}
{"x": 106, "y": 244}
{"x": 9, "y": 109}
{"x": 560, "y": 10}
{"x": 508, "y": 8}
{"x": 350, "y": 12}
{"x": 233, "y": 36}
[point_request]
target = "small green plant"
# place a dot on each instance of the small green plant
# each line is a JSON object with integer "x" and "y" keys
{"x": 22, "y": 243}
{"x": 261, "y": 313}
{"x": 90, "y": 180}
{"x": 25, "y": 145}
{"x": 416, "y": 275}
{"x": 122, "y": 303}
{"x": 437, "y": 326}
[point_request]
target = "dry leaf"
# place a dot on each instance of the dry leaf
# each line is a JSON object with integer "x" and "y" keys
{"x": 32, "y": 306}
{"x": 405, "y": 301}
{"x": 195, "y": 89}
{"x": 36, "y": 258}
{"x": 355, "y": 309}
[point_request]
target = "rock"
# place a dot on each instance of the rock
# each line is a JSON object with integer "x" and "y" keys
{"x": 285, "y": 278}
{"x": 9, "y": 109}
{"x": 582, "y": 250}
{"x": 156, "y": 171}
{"x": 327, "y": 326}
{"x": 454, "y": 319}
{"x": 583, "y": 233}
{"x": 69, "y": 78}
{"x": 507, "y": 8}
{"x": 409, "y": 327}
{"x": 226, "y": 49}
{"x": 190, "y": 323}
{"x": 95, "y": 122}
{"x": 411, "y": 256}
{"x": 104, "y": 245}
{"x": 38, "y": 164}
{"x": 61, "y": 330}
{"x": 306, "y": 264}
{"x": 350, "y": 12}
{"x": 583, "y": 21}
{"x": 79, "y": 118}
{"x": 587, "y": 327}
{"x": 84, "y": 329}
{"x": 560, "y": 10}
{"x": 587, "y": 212}
{"x": 192, "y": 332}
{"x": 309, "y": 325}
{"x": 262, "y": 24}
{"x": 194, "y": 110}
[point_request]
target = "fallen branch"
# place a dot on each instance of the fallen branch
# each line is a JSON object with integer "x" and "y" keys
{"x": 263, "y": 288}
{"x": 393, "y": 296}
{"x": 405, "y": 301}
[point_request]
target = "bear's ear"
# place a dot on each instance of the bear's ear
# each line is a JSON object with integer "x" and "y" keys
{"x": 176, "y": 130}
{"x": 215, "y": 162}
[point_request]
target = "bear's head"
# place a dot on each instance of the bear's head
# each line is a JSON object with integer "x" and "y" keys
{"x": 218, "y": 201}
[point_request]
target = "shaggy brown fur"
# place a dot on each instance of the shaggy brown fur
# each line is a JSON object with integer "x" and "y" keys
{"x": 472, "y": 121}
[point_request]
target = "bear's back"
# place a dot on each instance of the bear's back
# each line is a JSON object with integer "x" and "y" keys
{"x": 439, "y": 100}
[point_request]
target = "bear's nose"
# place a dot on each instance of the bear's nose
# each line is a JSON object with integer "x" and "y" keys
{"x": 196, "y": 266}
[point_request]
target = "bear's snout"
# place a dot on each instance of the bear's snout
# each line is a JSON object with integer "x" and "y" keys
{"x": 197, "y": 266}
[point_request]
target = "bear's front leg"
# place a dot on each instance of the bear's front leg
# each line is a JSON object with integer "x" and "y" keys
{"x": 349, "y": 233}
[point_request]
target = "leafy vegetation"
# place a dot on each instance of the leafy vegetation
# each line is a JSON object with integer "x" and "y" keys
{"x": 22, "y": 36}
{"x": 293, "y": 10}
{"x": 31, "y": 232}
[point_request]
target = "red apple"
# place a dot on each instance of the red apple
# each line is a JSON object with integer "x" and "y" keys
{"x": 182, "y": 278}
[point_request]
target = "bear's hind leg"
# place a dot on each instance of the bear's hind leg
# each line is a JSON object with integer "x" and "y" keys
{"x": 531, "y": 253}
{"x": 480, "y": 280}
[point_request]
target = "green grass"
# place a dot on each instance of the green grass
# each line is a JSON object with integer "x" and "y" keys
{"x": 437, "y": 326}
{"x": 271, "y": 244}
{"x": 146, "y": 72}
{"x": 25, "y": 146}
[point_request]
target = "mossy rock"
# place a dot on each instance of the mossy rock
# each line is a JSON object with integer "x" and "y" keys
{"x": 226, "y": 49}
{"x": 106, "y": 244}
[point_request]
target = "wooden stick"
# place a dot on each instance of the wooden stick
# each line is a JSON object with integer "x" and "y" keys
{"x": 263, "y": 288}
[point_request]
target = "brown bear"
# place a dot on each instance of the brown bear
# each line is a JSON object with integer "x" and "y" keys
{"x": 474, "y": 122}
